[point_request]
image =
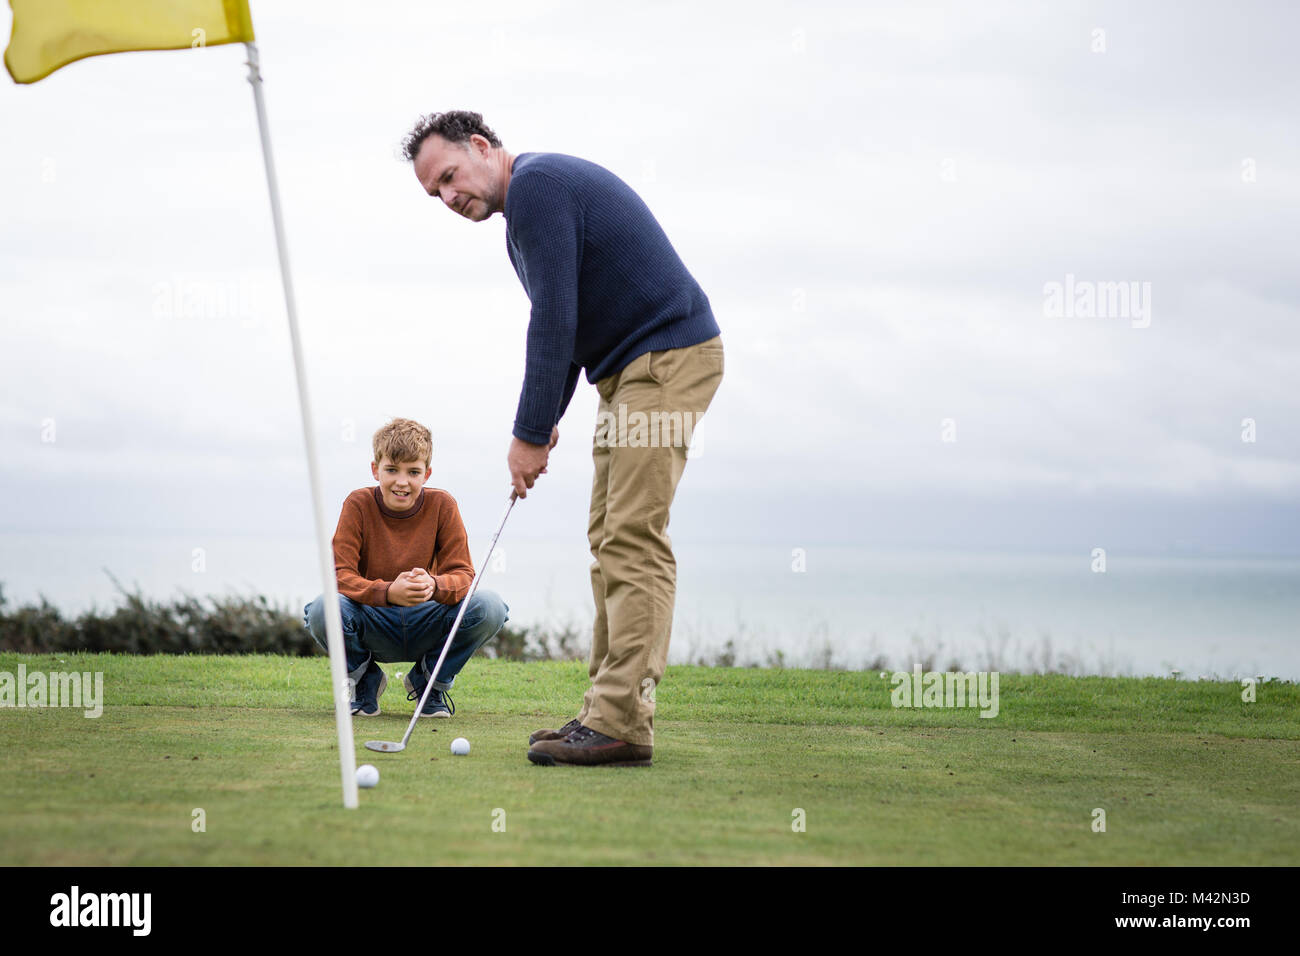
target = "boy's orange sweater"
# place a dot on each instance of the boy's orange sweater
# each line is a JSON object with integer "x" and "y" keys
{"x": 374, "y": 544}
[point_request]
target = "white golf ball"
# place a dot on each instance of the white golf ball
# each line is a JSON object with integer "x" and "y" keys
{"x": 367, "y": 776}
{"x": 460, "y": 746}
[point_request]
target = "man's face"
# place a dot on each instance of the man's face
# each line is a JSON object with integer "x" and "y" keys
{"x": 400, "y": 484}
{"x": 463, "y": 178}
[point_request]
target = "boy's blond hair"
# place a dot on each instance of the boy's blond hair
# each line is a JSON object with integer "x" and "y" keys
{"x": 403, "y": 440}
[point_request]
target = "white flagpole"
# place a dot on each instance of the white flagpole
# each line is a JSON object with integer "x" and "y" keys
{"x": 333, "y": 619}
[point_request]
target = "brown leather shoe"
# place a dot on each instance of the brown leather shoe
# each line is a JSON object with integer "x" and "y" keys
{"x": 560, "y": 734}
{"x": 589, "y": 748}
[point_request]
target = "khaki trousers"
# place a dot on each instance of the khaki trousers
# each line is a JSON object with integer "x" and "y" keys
{"x": 647, "y": 412}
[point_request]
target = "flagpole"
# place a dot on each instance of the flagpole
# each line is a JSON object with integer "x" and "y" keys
{"x": 333, "y": 619}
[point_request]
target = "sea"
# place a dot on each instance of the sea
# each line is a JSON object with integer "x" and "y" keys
{"x": 749, "y": 604}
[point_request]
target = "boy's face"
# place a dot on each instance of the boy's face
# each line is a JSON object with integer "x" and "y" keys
{"x": 400, "y": 483}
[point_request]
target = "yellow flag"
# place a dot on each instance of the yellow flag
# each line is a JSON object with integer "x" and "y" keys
{"x": 48, "y": 34}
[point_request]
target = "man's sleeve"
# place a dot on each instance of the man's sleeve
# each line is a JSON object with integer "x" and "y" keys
{"x": 547, "y": 225}
{"x": 570, "y": 384}
{"x": 347, "y": 560}
{"x": 453, "y": 572}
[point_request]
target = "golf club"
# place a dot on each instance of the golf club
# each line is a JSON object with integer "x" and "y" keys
{"x": 392, "y": 747}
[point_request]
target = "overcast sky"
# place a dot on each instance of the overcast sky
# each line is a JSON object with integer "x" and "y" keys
{"x": 874, "y": 201}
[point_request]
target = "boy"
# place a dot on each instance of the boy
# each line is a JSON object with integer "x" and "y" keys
{"x": 403, "y": 566}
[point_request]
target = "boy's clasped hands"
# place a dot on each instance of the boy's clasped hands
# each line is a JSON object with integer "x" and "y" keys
{"x": 411, "y": 587}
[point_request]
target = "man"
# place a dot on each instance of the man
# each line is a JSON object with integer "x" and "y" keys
{"x": 609, "y": 295}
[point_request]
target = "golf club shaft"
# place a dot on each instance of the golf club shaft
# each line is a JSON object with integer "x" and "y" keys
{"x": 446, "y": 645}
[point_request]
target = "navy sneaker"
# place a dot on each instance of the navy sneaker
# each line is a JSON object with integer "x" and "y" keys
{"x": 369, "y": 689}
{"x": 439, "y": 703}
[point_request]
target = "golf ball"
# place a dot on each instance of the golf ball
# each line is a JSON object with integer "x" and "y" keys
{"x": 367, "y": 776}
{"x": 460, "y": 746}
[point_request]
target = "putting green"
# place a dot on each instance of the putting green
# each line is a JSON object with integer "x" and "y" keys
{"x": 751, "y": 767}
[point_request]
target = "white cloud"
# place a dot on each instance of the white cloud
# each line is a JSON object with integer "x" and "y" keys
{"x": 872, "y": 199}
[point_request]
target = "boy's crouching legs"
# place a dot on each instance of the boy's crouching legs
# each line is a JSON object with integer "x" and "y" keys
{"x": 358, "y": 657}
{"x": 484, "y": 617}
{"x": 366, "y": 679}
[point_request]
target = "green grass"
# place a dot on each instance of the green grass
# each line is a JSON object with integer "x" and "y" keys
{"x": 1187, "y": 773}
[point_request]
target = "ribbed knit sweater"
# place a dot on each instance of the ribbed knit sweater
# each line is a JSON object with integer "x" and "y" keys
{"x": 374, "y": 544}
{"x": 604, "y": 282}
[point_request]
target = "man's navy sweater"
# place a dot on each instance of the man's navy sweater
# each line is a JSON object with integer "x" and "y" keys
{"x": 604, "y": 282}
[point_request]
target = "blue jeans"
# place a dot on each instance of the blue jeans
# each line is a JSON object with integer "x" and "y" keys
{"x": 416, "y": 633}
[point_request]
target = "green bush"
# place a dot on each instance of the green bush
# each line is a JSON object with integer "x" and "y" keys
{"x": 214, "y": 625}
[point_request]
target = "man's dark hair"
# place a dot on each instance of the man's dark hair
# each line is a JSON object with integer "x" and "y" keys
{"x": 455, "y": 126}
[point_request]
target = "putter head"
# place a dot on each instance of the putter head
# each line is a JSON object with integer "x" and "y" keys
{"x": 385, "y": 746}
